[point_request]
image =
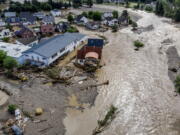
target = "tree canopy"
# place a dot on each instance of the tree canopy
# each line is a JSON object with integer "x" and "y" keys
{"x": 9, "y": 63}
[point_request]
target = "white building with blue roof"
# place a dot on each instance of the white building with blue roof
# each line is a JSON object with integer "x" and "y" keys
{"x": 50, "y": 50}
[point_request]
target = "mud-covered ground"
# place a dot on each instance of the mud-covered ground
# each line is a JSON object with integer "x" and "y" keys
{"x": 54, "y": 99}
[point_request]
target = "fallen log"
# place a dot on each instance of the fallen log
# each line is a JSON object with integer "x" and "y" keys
{"x": 96, "y": 85}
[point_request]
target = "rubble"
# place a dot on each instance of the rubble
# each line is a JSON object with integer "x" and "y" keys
{"x": 16, "y": 125}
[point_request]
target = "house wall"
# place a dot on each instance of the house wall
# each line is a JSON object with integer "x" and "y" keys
{"x": 47, "y": 29}
{"x": 5, "y": 33}
{"x": 36, "y": 59}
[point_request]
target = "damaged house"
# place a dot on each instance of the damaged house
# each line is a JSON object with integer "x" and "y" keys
{"x": 89, "y": 56}
{"x": 50, "y": 50}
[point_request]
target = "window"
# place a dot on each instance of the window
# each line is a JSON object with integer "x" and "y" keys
{"x": 54, "y": 55}
{"x": 62, "y": 50}
{"x": 32, "y": 57}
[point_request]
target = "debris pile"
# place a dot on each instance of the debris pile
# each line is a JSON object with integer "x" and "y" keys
{"x": 89, "y": 56}
{"x": 15, "y": 126}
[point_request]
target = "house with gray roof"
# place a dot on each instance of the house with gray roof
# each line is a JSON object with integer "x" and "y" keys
{"x": 27, "y": 18}
{"x": 10, "y": 14}
{"x": 50, "y": 50}
{"x": 48, "y": 20}
{"x": 39, "y": 15}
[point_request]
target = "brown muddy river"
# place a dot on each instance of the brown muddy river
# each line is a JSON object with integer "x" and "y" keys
{"x": 139, "y": 85}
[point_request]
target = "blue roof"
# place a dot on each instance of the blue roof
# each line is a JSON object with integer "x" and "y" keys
{"x": 27, "y": 16}
{"x": 53, "y": 45}
{"x": 96, "y": 42}
{"x": 13, "y": 20}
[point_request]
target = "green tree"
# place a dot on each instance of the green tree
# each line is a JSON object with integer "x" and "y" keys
{"x": 77, "y": 3}
{"x": 97, "y": 16}
{"x": 70, "y": 18}
{"x": 90, "y": 3}
{"x": 45, "y": 6}
{"x": 159, "y": 8}
{"x": 115, "y": 14}
{"x": 99, "y": 1}
{"x": 125, "y": 13}
{"x": 9, "y": 63}
{"x": 84, "y": 14}
{"x": 6, "y": 39}
{"x": 177, "y": 15}
{"x": 2, "y": 56}
{"x": 90, "y": 14}
{"x": 8, "y": 26}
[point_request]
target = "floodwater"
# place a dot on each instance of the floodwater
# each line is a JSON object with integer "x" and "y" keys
{"x": 139, "y": 84}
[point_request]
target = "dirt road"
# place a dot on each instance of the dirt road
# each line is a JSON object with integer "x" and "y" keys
{"x": 139, "y": 84}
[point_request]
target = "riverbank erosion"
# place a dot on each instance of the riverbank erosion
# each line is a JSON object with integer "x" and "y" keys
{"x": 139, "y": 83}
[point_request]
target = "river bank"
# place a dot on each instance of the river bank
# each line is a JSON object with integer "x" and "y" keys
{"x": 139, "y": 83}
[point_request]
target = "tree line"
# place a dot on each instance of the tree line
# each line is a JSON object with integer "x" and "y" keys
{"x": 34, "y": 6}
{"x": 168, "y": 8}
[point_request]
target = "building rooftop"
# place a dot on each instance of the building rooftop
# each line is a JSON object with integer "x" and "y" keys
{"x": 96, "y": 42}
{"x": 27, "y": 16}
{"x": 48, "y": 19}
{"x": 13, "y": 50}
{"x": 10, "y": 14}
{"x": 51, "y": 46}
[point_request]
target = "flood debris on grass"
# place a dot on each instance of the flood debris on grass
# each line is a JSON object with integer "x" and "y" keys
{"x": 102, "y": 124}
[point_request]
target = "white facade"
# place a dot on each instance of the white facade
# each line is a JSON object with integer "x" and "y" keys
{"x": 30, "y": 44}
{"x": 84, "y": 20}
{"x": 56, "y": 13}
{"x": 5, "y": 33}
{"x": 39, "y": 60}
{"x": 107, "y": 14}
{"x": 2, "y": 24}
{"x": 110, "y": 22}
{"x": 14, "y": 50}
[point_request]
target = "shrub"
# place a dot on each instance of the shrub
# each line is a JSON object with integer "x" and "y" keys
{"x": 138, "y": 44}
{"x": 109, "y": 116}
{"x": 53, "y": 73}
{"x": 9, "y": 63}
{"x": 70, "y": 18}
{"x": 84, "y": 14}
{"x": 97, "y": 16}
{"x": 72, "y": 29}
{"x": 177, "y": 84}
{"x": 90, "y": 14}
{"x": 177, "y": 15}
{"x": 115, "y": 14}
{"x": 12, "y": 108}
{"x": 2, "y": 56}
{"x": 6, "y": 39}
{"x": 149, "y": 8}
